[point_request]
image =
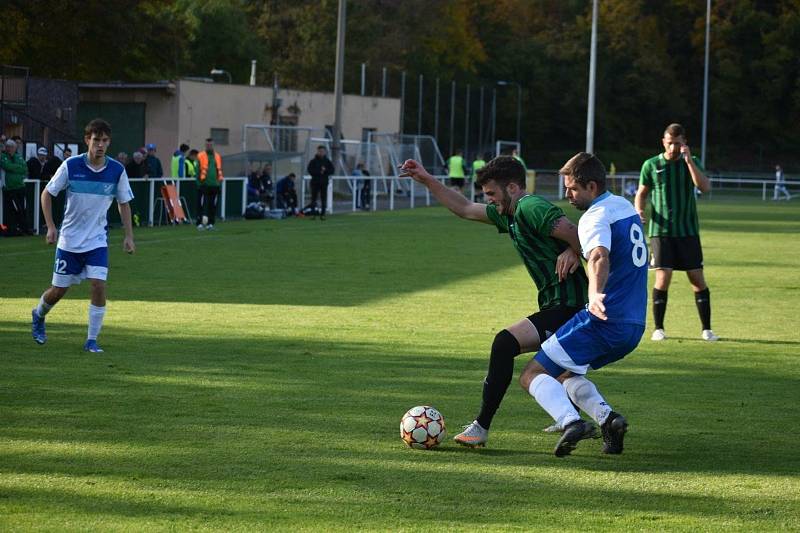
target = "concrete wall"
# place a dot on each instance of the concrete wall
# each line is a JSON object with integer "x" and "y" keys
{"x": 215, "y": 105}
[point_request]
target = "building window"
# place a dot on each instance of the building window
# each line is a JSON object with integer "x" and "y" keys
{"x": 219, "y": 136}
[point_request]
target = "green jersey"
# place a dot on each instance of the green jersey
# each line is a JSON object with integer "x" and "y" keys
{"x": 530, "y": 229}
{"x": 673, "y": 211}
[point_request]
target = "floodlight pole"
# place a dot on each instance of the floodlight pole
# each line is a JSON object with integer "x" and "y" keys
{"x": 338, "y": 83}
{"x": 419, "y": 107}
{"x": 592, "y": 76}
{"x": 436, "y": 113}
{"x": 519, "y": 106}
{"x": 705, "y": 85}
{"x": 452, "y": 114}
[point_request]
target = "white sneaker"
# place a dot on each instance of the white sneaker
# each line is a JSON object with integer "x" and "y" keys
{"x": 708, "y": 335}
{"x": 473, "y": 436}
{"x": 555, "y": 428}
{"x": 658, "y": 335}
{"x": 200, "y": 227}
{"x": 210, "y": 227}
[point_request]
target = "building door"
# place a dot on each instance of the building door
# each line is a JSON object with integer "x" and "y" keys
{"x": 126, "y": 119}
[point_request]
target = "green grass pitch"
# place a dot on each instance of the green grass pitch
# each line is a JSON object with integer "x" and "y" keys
{"x": 254, "y": 379}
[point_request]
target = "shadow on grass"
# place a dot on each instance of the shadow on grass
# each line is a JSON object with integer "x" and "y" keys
{"x": 180, "y": 412}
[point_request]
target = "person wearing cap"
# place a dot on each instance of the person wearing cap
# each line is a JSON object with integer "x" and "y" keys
{"x": 154, "y": 169}
{"x": 36, "y": 164}
{"x": 15, "y": 170}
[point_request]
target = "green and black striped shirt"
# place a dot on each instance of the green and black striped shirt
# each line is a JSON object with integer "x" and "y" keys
{"x": 673, "y": 210}
{"x": 530, "y": 229}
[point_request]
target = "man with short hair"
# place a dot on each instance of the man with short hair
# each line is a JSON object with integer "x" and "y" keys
{"x": 154, "y": 168}
{"x": 548, "y": 245}
{"x": 14, "y": 201}
{"x": 36, "y": 164}
{"x": 92, "y": 181}
{"x": 613, "y": 244}
{"x": 455, "y": 169}
{"x": 210, "y": 178}
{"x": 178, "y": 162}
{"x": 674, "y": 230}
{"x": 320, "y": 168}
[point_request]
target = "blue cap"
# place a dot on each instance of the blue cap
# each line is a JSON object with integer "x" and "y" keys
{"x": 151, "y": 146}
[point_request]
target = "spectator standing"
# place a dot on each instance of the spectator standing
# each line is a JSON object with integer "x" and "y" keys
{"x": 320, "y": 169}
{"x": 364, "y": 188}
{"x": 192, "y": 165}
{"x": 50, "y": 167}
{"x": 287, "y": 194}
{"x": 780, "y": 184}
{"x": 122, "y": 157}
{"x": 210, "y": 178}
{"x": 178, "y": 163}
{"x": 36, "y": 164}
{"x": 154, "y": 169}
{"x": 15, "y": 170}
{"x": 136, "y": 167}
{"x": 674, "y": 229}
{"x": 455, "y": 169}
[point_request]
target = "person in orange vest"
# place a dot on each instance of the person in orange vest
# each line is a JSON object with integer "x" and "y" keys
{"x": 210, "y": 178}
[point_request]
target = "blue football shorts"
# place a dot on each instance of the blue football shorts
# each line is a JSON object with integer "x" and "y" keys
{"x": 73, "y": 267}
{"x": 584, "y": 341}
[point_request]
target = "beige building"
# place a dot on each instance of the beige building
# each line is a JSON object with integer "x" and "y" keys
{"x": 188, "y": 111}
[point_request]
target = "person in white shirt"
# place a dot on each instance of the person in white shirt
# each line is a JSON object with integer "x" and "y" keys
{"x": 92, "y": 181}
{"x": 780, "y": 184}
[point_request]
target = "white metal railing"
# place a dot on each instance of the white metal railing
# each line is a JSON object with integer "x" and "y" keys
{"x": 151, "y": 196}
{"x": 393, "y": 183}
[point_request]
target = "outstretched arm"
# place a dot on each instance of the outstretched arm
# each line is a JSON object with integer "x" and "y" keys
{"x": 452, "y": 200}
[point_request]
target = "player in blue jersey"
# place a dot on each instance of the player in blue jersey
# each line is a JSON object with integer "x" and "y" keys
{"x": 92, "y": 181}
{"x": 611, "y": 326}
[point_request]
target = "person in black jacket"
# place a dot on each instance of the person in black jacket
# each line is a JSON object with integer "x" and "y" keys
{"x": 320, "y": 169}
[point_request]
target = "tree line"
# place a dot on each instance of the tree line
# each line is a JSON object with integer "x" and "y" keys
{"x": 650, "y": 62}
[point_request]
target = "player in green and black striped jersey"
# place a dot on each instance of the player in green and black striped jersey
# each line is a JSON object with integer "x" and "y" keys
{"x": 548, "y": 244}
{"x": 670, "y": 179}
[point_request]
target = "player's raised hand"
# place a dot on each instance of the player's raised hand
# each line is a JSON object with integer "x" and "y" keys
{"x": 596, "y": 305}
{"x": 52, "y": 235}
{"x": 567, "y": 262}
{"x": 414, "y": 170}
{"x": 128, "y": 245}
{"x": 686, "y": 153}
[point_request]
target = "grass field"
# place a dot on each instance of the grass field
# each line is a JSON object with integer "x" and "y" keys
{"x": 254, "y": 379}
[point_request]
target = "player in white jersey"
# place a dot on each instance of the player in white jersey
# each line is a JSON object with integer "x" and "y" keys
{"x": 92, "y": 181}
{"x": 611, "y": 326}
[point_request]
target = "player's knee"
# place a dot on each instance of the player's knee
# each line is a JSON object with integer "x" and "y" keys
{"x": 526, "y": 377}
{"x": 505, "y": 344}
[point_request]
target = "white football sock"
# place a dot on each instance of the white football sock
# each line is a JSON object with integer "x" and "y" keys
{"x": 549, "y": 393}
{"x": 43, "y": 308}
{"x": 586, "y": 396}
{"x": 96, "y": 315}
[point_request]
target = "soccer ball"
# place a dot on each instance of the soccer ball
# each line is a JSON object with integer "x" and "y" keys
{"x": 205, "y": 220}
{"x": 422, "y": 427}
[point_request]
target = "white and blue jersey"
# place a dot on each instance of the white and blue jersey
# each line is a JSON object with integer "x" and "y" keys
{"x": 586, "y": 341}
{"x": 82, "y": 250}
{"x": 89, "y": 195}
{"x": 612, "y": 222}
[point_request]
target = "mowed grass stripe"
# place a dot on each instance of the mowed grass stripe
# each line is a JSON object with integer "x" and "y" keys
{"x": 255, "y": 378}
